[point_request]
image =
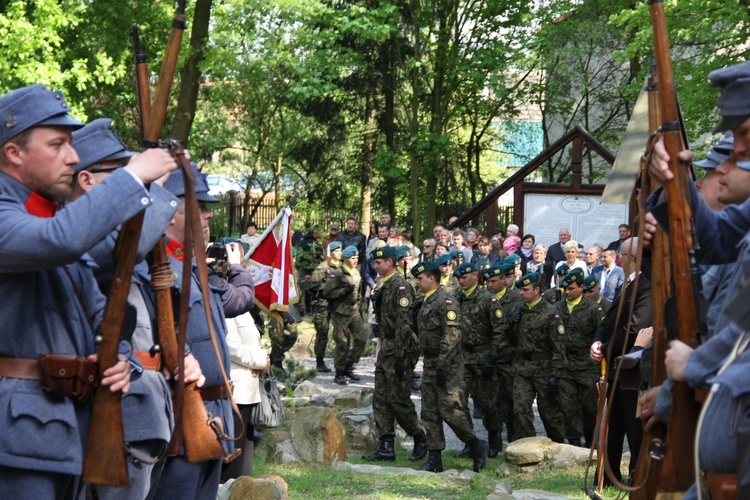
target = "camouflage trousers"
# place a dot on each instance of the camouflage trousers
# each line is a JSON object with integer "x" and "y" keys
{"x": 484, "y": 391}
{"x": 279, "y": 346}
{"x": 444, "y": 404}
{"x": 322, "y": 324}
{"x": 505, "y": 375}
{"x": 346, "y": 328}
{"x": 578, "y": 398}
{"x": 531, "y": 382}
{"x": 391, "y": 400}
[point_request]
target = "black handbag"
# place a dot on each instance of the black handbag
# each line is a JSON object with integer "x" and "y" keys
{"x": 270, "y": 411}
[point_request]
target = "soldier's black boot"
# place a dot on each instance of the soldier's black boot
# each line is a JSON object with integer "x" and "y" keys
{"x": 321, "y": 365}
{"x": 574, "y": 441}
{"x": 465, "y": 453}
{"x": 434, "y": 463}
{"x": 384, "y": 453}
{"x": 420, "y": 447}
{"x": 477, "y": 413}
{"x": 340, "y": 378}
{"x": 479, "y": 453}
{"x": 349, "y": 372}
{"x": 510, "y": 429}
{"x": 495, "y": 441}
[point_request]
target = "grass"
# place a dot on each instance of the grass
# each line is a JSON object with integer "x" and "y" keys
{"x": 320, "y": 481}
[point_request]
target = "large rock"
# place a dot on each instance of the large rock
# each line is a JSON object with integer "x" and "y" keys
{"x": 258, "y": 488}
{"x": 560, "y": 456}
{"x": 348, "y": 396}
{"x": 303, "y": 348}
{"x": 527, "y": 450}
{"x": 318, "y": 436}
{"x": 272, "y": 439}
{"x": 307, "y": 389}
{"x": 360, "y": 427}
{"x": 537, "y": 495}
{"x": 284, "y": 453}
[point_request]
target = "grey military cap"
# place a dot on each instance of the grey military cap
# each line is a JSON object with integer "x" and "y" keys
{"x": 97, "y": 142}
{"x": 719, "y": 153}
{"x": 176, "y": 184}
{"x": 33, "y": 106}
{"x": 734, "y": 95}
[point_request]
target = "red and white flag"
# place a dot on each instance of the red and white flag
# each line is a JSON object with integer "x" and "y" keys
{"x": 270, "y": 262}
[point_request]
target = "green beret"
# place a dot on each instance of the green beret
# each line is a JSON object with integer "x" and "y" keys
{"x": 492, "y": 272}
{"x": 334, "y": 245}
{"x": 589, "y": 282}
{"x": 506, "y": 268}
{"x": 464, "y": 269}
{"x": 402, "y": 252}
{"x": 574, "y": 276}
{"x": 528, "y": 279}
{"x": 513, "y": 259}
{"x": 456, "y": 254}
{"x": 349, "y": 251}
{"x": 444, "y": 259}
{"x": 422, "y": 267}
{"x": 562, "y": 270}
{"x": 383, "y": 253}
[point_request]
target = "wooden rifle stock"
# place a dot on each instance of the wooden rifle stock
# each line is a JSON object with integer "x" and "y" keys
{"x": 650, "y": 467}
{"x": 682, "y": 426}
{"x": 106, "y": 462}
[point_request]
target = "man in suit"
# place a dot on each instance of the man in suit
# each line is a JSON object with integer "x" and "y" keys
{"x": 555, "y": 252}
{"x": 624, "y": 402}
{"x": 612, "y": 276}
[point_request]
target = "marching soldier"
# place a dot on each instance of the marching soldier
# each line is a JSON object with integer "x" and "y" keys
{"x": 321, "y": 314}
{"x": 592, "y": 289}
{"x": 342, "y": 289}
{"x": 504, "y": 303}
{"x": 477, "y": 337}
{"x": 448, "y": 282}
{"x": 555, "y": 294}
{"x": 581, "y": 317}
{"x": 443, "y": 391}
{"x": 396, "y": 359}
{"x": 540, "y": 359}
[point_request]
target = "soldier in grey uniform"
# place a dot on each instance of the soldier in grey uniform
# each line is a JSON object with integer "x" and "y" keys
{"x": 592, "y": 289}
{"x": 443, "y": 390}
{"x": 581, "y": 317}
{"x": 51, "y": 301}
{"x": 342, "y": 289}
{"x": 399, "y": 353}
{"x": 480, "y": 360}
{"x": 540, "y": 360}
{"x": 321, "y": 313}
{"x": 504, "y": 303}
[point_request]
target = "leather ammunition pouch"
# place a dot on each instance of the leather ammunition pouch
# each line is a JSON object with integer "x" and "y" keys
{"x": 214, "y": 392}
{"x": 148, "y": 361}
{"x": 68, "y": 375}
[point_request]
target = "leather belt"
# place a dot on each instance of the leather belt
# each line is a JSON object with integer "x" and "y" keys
{"x": 20, "y": 368}
{"x": 476, "y": 348}
{"x": 214, "y": 392}
{"x": 577, "y": 352}
{"x": 149, "y": 362}
{"x": 545, "y": 356}
{"x": 721, "y": 486}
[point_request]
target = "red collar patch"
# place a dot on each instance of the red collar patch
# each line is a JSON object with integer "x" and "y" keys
{"x": 40, "y": 206}
{"x": 175, "y": 249}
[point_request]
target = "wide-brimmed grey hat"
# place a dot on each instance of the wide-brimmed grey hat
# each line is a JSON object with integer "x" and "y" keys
{"x": 33, "y": 106}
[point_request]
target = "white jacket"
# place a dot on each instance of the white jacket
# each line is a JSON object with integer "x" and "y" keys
{"x": 243, "y": 339}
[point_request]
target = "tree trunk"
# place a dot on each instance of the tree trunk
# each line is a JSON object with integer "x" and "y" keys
{"x": 190, "y": 76}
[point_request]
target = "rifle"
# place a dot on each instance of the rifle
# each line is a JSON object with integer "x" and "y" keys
{"x": 650, "y": 462}
{"x": 679, "y": 445}
{"x": 191, "y": 418}
{"x": 106, "y": 461}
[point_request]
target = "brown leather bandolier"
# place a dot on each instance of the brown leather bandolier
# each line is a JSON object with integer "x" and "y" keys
{"x": 59, "y": 375}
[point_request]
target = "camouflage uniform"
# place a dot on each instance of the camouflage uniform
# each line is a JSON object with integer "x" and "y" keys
{"x": 320, "y": 305}
{"x": 282, "y": 339}
{"x": 345, "y": 316}
{"x": 540, "y": 352}
{"x": 451, "y": 286}
{"x": 392, "y": 397}
{"x": 578, "y": 395}
{"x": 501, "y": 312}
{"x": 553, "y": 295}
{"x": 604, "y": 304}
{"x": 443, "y": 400}
{"x": 479, "y": 354}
